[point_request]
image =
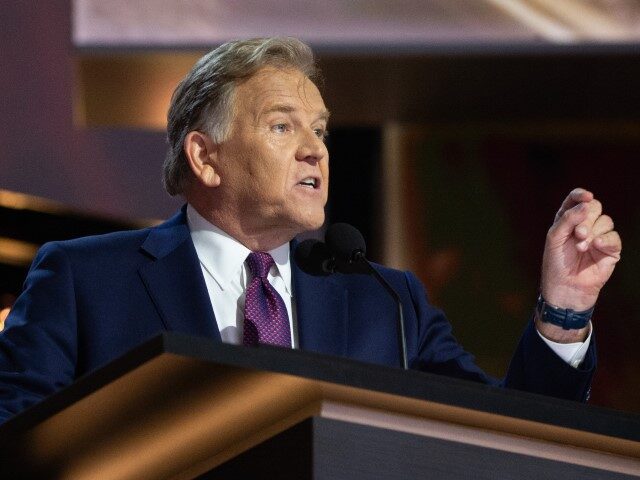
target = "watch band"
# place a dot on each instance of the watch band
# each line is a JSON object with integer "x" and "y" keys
{"x": 563, "y": 317}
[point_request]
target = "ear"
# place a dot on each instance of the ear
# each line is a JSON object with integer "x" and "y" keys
{"x": 201, "y": 153}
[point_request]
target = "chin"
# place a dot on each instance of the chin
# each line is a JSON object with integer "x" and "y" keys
{"x": 312, "y": 221}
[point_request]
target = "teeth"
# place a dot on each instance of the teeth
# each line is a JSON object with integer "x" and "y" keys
{"x": 309, "y": 181}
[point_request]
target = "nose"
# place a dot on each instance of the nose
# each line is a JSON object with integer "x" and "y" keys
{"x": 311, "y": 148}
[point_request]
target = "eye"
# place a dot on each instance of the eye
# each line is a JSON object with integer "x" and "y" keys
{"x": 321, "y": 133}
{"x": 279, "y": 128}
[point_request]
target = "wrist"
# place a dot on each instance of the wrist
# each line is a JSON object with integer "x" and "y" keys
{"x": 569, "y": 298}
{"x": 559, "y": 335}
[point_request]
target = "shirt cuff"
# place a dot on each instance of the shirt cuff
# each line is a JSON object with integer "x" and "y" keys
{"x": 571, "y": 353}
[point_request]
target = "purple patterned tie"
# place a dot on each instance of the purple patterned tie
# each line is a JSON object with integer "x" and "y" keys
{"x": 265, "y": 314}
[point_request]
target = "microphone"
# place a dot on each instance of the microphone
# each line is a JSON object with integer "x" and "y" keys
{"x": 346, "y": 242}
{"x": 313, "y": 257}
{"x": 345, "y": 252}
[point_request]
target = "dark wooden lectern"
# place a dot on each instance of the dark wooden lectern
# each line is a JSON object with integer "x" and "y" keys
{"x": 180, "y": 407}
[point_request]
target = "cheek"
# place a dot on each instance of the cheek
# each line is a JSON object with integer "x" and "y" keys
{"x": 247, "y": 163}
{"x": 324, "y": 170}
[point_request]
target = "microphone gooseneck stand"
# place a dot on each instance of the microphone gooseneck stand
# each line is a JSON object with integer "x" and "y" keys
{"x": 347, "y": 246}
{"x": 402, "y": 341}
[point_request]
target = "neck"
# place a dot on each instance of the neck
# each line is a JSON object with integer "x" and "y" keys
{"x": 255, "y": 239}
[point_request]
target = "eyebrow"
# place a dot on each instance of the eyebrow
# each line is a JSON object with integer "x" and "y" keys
{"x": 287, "y": 108}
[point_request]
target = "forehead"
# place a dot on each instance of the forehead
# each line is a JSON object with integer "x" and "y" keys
{"x": 271, "y": 85}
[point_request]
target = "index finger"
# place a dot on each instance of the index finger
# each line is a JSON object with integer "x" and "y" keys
{"x": 576, "y": 196}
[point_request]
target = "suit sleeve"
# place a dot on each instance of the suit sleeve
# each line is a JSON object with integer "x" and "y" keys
{"x": 38, "y": 345}
{"x": 437, "y": 350}
{"x": 534, "y": 367}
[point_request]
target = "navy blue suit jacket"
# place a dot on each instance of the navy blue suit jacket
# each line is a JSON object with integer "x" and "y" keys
{"x": 89, "y": 300}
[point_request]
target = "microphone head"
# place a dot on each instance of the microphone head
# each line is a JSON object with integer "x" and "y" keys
{"x": 313, "y": 257}
{"x": 345, "y": 242}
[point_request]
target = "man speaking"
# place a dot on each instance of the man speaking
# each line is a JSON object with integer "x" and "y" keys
{"x": 246, "y": 130}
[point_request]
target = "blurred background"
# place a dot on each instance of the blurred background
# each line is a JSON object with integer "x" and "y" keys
{"x": 457, "y": 128}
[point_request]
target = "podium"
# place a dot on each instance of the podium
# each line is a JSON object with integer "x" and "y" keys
{"x": 182, "y": 407}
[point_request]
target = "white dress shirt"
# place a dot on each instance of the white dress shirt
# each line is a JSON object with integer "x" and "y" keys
{"x": 572, "y": 353}
{"x": 222, "y": 259}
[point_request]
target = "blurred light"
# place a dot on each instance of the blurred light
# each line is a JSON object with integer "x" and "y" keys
{"x": 4, "y": 313}
{"x": 16, "y": 252}
{"x": 128, "y": 90}
{"x": 22, "y": 201}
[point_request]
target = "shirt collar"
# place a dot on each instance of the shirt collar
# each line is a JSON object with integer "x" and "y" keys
{"x": 223, "y": 256}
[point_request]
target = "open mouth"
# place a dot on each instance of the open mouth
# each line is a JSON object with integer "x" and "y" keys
{"x": 310, "y": 182}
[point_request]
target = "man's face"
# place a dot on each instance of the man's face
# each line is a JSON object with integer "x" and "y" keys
{"x": 274, "y": 165}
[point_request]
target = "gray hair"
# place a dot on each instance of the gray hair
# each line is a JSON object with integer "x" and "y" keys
{"x": 204, "y": 99}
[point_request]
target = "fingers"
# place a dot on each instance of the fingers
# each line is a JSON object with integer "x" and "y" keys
{"x": 575, "y": 197}
{"x": 609, "y": 243}
{"x": 584, "y": 230}
{"x": 602, "y": 224}
{"x": 576, "y": 220}
{"x": 580, "y": 217}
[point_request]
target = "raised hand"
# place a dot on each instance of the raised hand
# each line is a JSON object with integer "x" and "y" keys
{"x": 581, "y": 251}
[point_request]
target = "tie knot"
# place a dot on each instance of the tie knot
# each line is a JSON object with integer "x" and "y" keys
{"x": 259, "y": 264}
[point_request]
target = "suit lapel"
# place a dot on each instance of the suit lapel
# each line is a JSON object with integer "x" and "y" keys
{"x": 175, "y": 283}
{"x": 174, "y": 279}
{"x": 321, "y": 312}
